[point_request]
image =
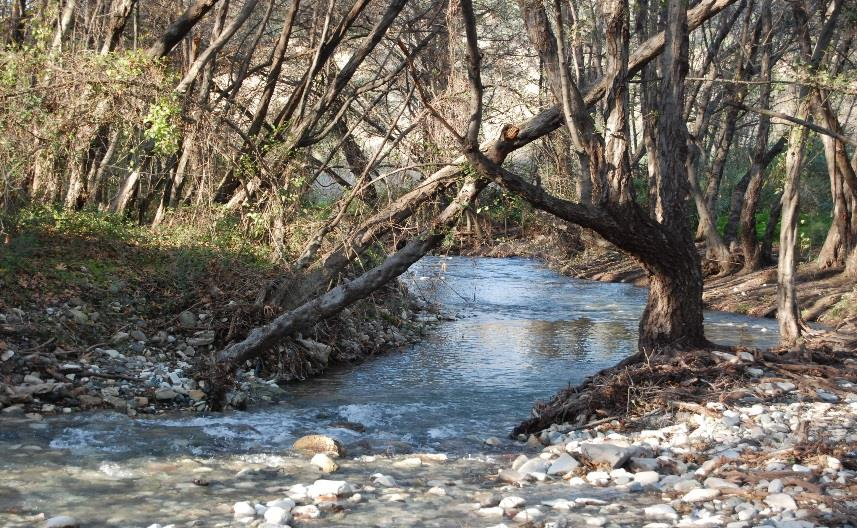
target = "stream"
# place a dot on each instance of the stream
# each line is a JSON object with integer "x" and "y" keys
{"x": 519, "y": 332}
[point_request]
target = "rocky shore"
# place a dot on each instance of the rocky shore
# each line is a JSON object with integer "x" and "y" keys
{"x": 113, "y": 351}
{"x": 782, "y": 456}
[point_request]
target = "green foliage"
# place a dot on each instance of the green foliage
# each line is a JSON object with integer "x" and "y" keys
{"x": 163, "y": 125}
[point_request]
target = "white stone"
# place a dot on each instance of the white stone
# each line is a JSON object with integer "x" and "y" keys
{"x": 529, "y": 515}
{"x": 596, "y": 521}
{"x": 286, "y": 504}
{"x": 62, "y": 521}
{"x": 437, "y": 490}
{"x": 647, "y": 478}
{"x": 324, "y": 488}
{"x": 277, "y": 515}
{"x": 700, "y": 495}
{"x": 535, "y": 465}
{"x": 660, "y": 511}
{"x": 719, "y": 483}
{"x": 244, "y": 509}
{"x": 781, "y": 501}
{"x": 324, "y": 463}
{"x": 598, "y": 478}
{"x": 385, "y": 481}
{"x": 562, "y": 465}
{"x": 512, "y": 502}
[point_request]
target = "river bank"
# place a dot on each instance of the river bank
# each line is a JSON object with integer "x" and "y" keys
{"x": 780, "y": 456}
{"x": 96, "y": 313}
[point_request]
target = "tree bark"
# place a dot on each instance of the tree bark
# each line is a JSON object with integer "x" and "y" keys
{"x": 180, "y": 28}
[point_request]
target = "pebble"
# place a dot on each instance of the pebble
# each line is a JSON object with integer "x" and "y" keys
{"x": 513, "y": 502}
{"x": 700, "y": 495}
{"x": 660, "y": 511}
{"x": 244, "y": 509}
{"x": 781, "y": 501}
{"x": 62, "y": 521}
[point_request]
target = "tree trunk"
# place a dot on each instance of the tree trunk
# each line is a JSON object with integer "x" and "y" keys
{"x": 788, "y": 313}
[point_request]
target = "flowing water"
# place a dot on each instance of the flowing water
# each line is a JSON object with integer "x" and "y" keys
{"x": 519, "y": 332}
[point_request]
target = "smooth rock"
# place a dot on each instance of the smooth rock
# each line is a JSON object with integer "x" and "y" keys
{"x": 324, "y": 463}
{"x": 319, "y": 444}
{"x": 660, "y": 511}
{"x": 277, "y": 515}
{"x": 614, "y": 455}
{"x": 62, "y": 521}
{"x": 529, "y": 515}
{"x": 647, "y": 478}
{"x": 513, "y": 502}
{"x": 562, "y": 465}
{"x": 700, "y": 495}
{"x": 243, "y": 509}
{"x": 534, "y": 465}
{"x": 782, "y": 501}
{"x": 326, "y": 488}
{"x": 511, "y": 476}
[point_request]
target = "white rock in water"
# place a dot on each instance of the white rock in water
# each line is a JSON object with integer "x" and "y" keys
{"x": 535, "y": 465}
{"x": 385, "y": 481}
{"x": 660, "y": 511}
{"x": 562, "y": 465}
{"x": 529, "y": 515}
{"x": 277, "y": 515}
{"x": 324, "y": 463}
{"x": 512, "y": 502}
{"x": 286, "y": 504}
{"x": 437, "y": 490}
{"x": 700, "y": 495}
{"x": 782, "y": 501}
{"x": 596, "y": 521}
{"x": 244, "y": 509}
{"x": 62, "y": 521}
{"x": 326, "y": 488}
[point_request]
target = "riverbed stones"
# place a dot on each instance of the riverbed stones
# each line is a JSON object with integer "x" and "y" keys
{"x": 312, "y": 444}
{"x": 62, "y": 521}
